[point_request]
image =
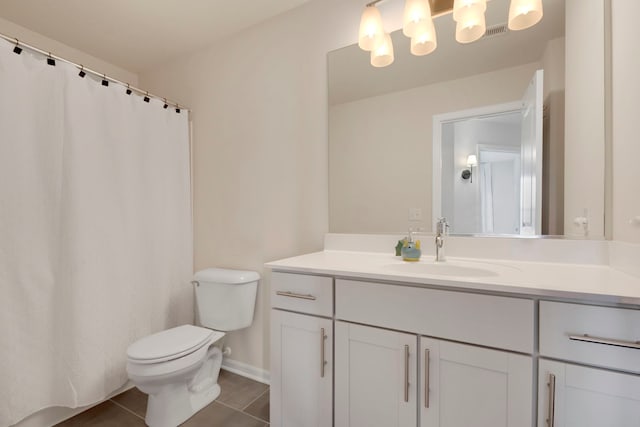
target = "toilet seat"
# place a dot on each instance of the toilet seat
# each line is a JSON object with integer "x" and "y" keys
{"x": 170, "y": 351}
{"x": 170, "y": 344}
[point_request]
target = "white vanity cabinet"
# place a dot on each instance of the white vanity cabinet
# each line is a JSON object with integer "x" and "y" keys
{"x": 571, "y": 394}
{"x": 463, "y": 385}
{"x": 379, "y": 384}
{"x": 422, "y": 356}
{"x": 578, "y": 396}
{"x": 301, "y": 392}
{"x": 375, "y": 377}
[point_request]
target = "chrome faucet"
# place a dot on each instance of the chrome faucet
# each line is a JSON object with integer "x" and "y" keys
{"x": 441, "y": 230}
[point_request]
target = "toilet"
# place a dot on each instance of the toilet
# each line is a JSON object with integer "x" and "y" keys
{"x": 178, "y": 368}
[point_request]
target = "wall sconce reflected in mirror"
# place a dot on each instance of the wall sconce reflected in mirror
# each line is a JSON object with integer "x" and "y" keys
{"x": 472, "y": 161}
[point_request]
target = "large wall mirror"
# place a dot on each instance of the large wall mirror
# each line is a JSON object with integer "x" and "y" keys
{"x": 453, "y": 133}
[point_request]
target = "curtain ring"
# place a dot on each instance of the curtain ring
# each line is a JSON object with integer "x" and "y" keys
{"x": 17, "y": 49}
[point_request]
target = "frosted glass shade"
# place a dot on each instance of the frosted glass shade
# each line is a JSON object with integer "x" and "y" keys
{"x": 416, "y": 13}
{"x": 472, "y": 160}
{"x": 424, "y": 41}
{"x": 470, "y": 28}
{"x": 371, "y": 33}
{"x": 382, "y": 55}
{"x": 524, "y": 13}
{"x": 462, "y": 8}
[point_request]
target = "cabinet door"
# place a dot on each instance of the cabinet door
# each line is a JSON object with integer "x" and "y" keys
{"x": 375, "y": 376}
{"x": 301, "y": 370}
{"x": 473, "y": 386}
{"x": 577, "y": 396}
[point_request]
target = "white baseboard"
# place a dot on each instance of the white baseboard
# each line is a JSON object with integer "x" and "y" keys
{"x": 245, "y": 370}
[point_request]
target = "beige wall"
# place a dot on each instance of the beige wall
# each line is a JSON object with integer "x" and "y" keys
{"x": 626, "y": 111}
{"x": 259, "y": 102}
{"x": 584, "y": 118}
{"x": 380, "y": 156}
{"x": 67, "y": 52}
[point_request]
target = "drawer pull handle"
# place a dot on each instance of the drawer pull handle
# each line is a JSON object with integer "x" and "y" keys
{"x": 605, "y": 341}
{"x": 551, "y": 420}
{"x": 426, "y": 378}
{"x": 406, "y": 373}
{"x": 323, "y": 362}
{"x": 294, "y": 295}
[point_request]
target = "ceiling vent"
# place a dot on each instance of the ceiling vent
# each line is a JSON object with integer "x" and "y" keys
{"x": 496, "y": 30}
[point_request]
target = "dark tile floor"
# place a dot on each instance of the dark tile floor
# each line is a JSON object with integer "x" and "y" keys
{"x": 242, "y": 403}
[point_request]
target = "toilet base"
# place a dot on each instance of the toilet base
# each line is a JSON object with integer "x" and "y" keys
{"x": 173, "y": 407}
{"x": 173, "y": 402}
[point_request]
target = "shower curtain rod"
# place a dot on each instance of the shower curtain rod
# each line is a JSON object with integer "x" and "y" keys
{"x": 81, "y": 67}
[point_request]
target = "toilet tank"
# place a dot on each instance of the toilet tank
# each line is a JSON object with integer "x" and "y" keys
{"x": 225, "y": 299}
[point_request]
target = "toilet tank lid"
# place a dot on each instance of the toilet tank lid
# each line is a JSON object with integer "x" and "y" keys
{"x": 226, "y": 276}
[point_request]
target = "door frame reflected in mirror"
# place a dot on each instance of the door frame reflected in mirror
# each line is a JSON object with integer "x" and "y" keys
{"x": 441, "y": 120}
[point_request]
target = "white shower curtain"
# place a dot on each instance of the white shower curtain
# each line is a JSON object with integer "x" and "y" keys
{"x": 95, "y": 232}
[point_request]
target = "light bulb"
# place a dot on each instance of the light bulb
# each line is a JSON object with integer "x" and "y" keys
{"x": 382, "y": 55}
{"x": 371, "y": 32}
{"x": 416, "y": 12}
{"x": 524, "y": 14}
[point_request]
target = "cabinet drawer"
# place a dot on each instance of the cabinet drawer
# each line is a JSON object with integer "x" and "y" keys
{"x": 303, "y": 293}
{"x": 612, "y": 334}
{"x": 490, "y": 321}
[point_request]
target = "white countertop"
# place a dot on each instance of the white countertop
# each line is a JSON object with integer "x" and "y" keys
{"x": 595, "y": 283}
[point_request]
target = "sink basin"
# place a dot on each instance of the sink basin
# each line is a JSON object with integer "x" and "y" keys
{"x": 448, "y": 268}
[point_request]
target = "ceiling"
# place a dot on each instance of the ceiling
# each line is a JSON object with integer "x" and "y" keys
{"x": 140, "y": 34}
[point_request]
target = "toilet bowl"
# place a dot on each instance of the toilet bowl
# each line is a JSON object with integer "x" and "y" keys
{"x": 178, "y": 368}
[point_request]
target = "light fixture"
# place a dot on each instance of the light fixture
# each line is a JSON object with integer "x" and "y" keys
{"x": 470, "y": 20}
{"x": 418, "y": 25}
{"x": 424, "y": 41}
{"x": 371, "y": 33}
{"x": 524, "y": 13}
{"x": 470, "y": 27}
{"x": 416, "y": 14}
{"x": 472, "y": 161}
{"x": 382, "y": 55}
{"x": 461, "y": 8}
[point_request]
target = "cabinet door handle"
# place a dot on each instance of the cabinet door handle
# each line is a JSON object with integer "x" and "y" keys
{"x": 606, "y": 341}
{"x": 551, "y": 416}
{"x": 406, "y": 373}
{"x": 294, "y": 295}
{"x": 323, "y": 362}
{"x": 426, "y": 378}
